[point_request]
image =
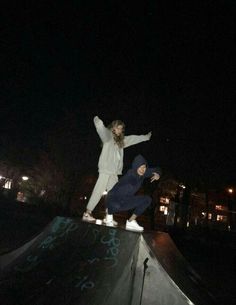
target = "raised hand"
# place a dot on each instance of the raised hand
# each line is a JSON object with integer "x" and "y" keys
{"x": 149, "y": 135}
{"x": 155, "y": 176}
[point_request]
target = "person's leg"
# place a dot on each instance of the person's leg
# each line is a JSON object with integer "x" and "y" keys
{"x": 142, "y": 202}
{"x": 111, "y": 207}
{"x": 131, "y": 223}
{"x": 113, "y": 204}
{"x": 97, "y": 193}
{"x": 108, "y": 220}
{"x": 139, "y": 204}
{"x": 113, "y": 179}
{"x": 133, "y": 217}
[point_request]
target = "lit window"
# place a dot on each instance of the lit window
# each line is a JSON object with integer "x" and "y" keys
{"x": 221, "y": 218}
{"x": 219, "y": 207}
{"x": 162, "y": 208}
{"x": 209, "y": 216}
{"x": 8, "y": 184}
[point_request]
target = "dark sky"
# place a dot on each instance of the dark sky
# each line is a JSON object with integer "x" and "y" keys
{"x": 161, "y": 66}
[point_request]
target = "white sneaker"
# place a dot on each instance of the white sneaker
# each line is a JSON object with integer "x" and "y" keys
{"x": 133, "y": 225}
{"x": 108, "y": 220}
{"x": 115, "y": 223}
{"x": 88, "y": 217}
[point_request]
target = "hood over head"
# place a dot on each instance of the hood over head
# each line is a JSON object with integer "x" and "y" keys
{"x": 138, "y": 161}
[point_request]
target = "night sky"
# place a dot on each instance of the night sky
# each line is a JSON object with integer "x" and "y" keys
{"x": 163, "y": 66}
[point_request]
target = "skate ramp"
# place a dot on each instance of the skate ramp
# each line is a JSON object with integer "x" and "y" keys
{"x": 6, "y": 259}
{"x": 74, "y": 263}
{"x": 168, "y": 279}
{"x": 164, "y": 252}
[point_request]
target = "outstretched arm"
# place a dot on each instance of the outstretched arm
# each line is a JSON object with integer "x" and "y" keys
{"x": 132, "y": 140}
{"x": 103, "y": 132}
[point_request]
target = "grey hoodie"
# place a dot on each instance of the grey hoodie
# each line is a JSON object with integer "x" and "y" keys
{"x": 111, "y": 158}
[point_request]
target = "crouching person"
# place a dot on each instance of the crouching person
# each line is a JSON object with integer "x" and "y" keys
{"x": 122, "y": 196}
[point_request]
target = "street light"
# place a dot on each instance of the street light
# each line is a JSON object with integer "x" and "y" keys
{"x": 230, "y": 190}
{"x": 25, "y": 178}
{"x": 230, "y": 216}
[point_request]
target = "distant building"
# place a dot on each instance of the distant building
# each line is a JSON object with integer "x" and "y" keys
{"x": 201, "y": 211}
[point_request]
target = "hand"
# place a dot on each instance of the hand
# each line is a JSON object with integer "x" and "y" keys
{"x": 97, "y": 121}
{"x": 155, "y": 176}
{"x": 149, "y": 135}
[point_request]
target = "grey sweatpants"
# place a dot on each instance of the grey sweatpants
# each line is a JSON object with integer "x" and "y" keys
{"x": 105, "y": 182}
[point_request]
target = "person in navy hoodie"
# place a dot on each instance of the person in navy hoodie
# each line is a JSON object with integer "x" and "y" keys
{"x": 122, "y": 196}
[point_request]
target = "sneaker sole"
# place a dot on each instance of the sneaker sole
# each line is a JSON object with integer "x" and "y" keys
{"x": 87, "y": 220}
{"x": 114, "y": 225}
{"x": 133, "y": 229}
{"x": 109, "y": 225}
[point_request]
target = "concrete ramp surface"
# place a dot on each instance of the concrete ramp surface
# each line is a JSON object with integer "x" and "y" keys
{"x": 72, "y": 263}
{"x": 168, "y": 278}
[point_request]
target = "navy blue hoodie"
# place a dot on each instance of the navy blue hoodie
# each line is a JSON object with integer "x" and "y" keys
{"x": 129, "y": 184}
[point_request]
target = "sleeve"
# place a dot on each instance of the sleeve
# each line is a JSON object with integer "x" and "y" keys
{"x": 132, "y": 140}
{"x": 103, "y": 132}
{"x": 149, "y": 172}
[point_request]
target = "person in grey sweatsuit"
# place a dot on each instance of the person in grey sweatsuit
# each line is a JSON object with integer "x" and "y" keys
{"x": 110, "y": 163}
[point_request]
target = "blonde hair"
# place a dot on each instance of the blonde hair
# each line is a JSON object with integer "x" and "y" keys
{"x": 118, "y": 139}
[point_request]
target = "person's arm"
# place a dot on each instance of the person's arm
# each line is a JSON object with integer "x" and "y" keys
{"x": 103, "y": 132}
{"x": 154, "y": 173}
{"x": 132, "y": 140}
